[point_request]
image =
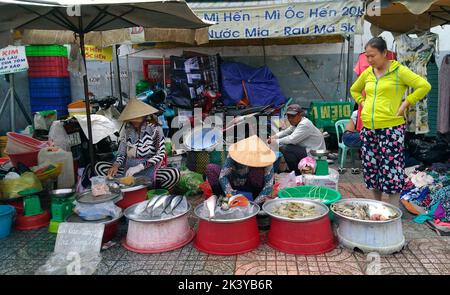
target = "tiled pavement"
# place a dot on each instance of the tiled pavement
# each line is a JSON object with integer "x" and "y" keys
{"x": 23, "y": 252}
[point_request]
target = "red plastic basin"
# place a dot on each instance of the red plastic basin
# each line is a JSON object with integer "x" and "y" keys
{"x": 29, "y": 159}
{"x": 32, "y": 222}
{"x": 302, "y": 238}
{"x": 110, "y": 231}
{"x": 227, "y": 238}
{"x": 132, "y": 197}
{"x": 26, "y": 140}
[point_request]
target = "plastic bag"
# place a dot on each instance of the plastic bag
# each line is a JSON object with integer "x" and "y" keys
{"x": 43, "y": 120}
{"x": 287, "y": 180}
{"x": 189, "y": 183}
{"x": 97, "y": 211}
{"x": 307, "y": 165}
{"x": 11, "y": 187}
{"x": 65, "y": 264}
{"x": 206, "y": 188}
{"x": 429, "y": 151}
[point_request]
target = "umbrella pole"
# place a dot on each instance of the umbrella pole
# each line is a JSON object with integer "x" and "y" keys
{"x": 86, "y": 97}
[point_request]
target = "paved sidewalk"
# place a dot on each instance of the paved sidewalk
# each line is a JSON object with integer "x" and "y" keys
{"x": 425, "y": 253}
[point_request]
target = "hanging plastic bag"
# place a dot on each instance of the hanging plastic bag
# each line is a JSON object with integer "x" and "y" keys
{"x": 10, "y": 188}
{"x": 206, "y": 188}
{"x": 287, "y": 180}
{"x": 189, "y": 183}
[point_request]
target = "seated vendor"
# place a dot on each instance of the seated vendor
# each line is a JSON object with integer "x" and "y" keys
{"x": 248, "y": 168}
{"x": 351, "y": 135}
{"x": 297, "y": 140}
{"x": 142, "y": 148}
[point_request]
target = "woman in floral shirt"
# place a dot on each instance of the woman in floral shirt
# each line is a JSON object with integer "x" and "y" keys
{"x": 248, "y": 168}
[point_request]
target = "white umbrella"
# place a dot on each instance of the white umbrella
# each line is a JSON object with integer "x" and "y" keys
{"x": 85, "y": 16}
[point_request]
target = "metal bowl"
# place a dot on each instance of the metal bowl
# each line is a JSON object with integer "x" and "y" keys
{"x": 62, "y": 193}
{"x": 129, "y": 213}
{"x": 107, "y": 220}
{"x": 319, "y": 153}
{"x": 87, "y": 197}
{"x": 377, "y": 205}
{"x": 255, "y": 210}
{"x": 321, "y": 209}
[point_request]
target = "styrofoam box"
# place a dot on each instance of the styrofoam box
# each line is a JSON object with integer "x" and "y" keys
{"x": 330, "y": 181}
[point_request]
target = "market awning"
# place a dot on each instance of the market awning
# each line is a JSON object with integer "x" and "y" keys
{"x": 410, "y": 16}
{"x": 105, "y": 22}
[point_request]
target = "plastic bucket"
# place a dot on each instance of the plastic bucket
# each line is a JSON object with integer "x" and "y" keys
{"x": 306, "y": 238}
{"x": 26, "y": 140}
{"x": 30, "y": 159}
{"x": 3, "y": 143}
{"x": 77, "y": 111}
{"x": 231, "y": 238}
{"x": 132, "y": 197}
{"x": 7, "y": 213}
{"x": 32, "y": 222}
{"x": 156, "y": 192}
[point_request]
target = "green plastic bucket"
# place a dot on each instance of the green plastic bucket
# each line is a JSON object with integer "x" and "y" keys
{"x": 156, "y": 192}
{"x": 326, "y": 195}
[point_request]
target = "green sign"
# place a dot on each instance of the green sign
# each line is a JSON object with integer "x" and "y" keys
{"x": 325, "y": 114}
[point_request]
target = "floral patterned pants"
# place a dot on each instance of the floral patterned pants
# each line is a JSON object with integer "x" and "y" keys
{"x": 383, "y": 158}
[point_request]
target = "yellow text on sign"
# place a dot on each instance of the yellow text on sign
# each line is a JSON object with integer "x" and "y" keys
{"x": 97, "y": 53}
{"x": 333, "y": 112}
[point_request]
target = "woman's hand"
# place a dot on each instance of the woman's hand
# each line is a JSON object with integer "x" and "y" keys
{"x": 113, "y": 170}
{"x": 402, "y": 109}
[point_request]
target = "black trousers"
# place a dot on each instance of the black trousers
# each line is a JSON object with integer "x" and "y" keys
{"x": 293, "y": 154}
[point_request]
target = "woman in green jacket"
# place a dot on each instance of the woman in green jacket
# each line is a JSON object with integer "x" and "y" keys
{"x": 385, "y": 82}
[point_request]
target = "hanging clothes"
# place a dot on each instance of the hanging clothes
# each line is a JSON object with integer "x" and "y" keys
{"x": 415, "y": 53}
{"x": 444, "y": 96}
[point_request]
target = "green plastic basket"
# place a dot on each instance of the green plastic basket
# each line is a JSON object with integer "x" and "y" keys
{"x": 326, "y": 195}
{"x": 46, "y": 50}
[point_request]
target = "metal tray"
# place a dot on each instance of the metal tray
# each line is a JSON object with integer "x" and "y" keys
{"x": 375, "y": 203}
{"x": 62, "y": 193}
{"x": 321, "y": 209}
{"x": 75, "y": 218}
{"x": 130, "y": 210}
{"x": 87, "y": 197}
{"x": 255, "y": 209}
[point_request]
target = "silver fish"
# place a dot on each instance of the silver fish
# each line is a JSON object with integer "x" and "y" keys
{"x": 167, "y": 202}
{"x": 153, "y": 202}
{"x": 210, "y": 205}
{"x": 176, "y": 201}
{"x": 160, "y": 203}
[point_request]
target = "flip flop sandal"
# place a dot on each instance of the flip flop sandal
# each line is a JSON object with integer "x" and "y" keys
{"x": 355, "y": 171}
{"x": 342, "y": 170}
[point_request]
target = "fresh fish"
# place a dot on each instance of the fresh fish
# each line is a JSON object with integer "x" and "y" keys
{"x": 153, "y": 202}
{"x": 167, "y": 202}
{"x": 141, "y": 207}
{"x": 160, "y": 203}
{"x": 210, "y": 205}
{"x": 176, "y": 201}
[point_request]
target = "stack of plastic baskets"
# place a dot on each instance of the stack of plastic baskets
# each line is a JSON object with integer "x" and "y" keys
{"x": 49, "y": 79}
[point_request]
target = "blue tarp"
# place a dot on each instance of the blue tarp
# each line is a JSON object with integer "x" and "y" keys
{"x": 261, "y": 85}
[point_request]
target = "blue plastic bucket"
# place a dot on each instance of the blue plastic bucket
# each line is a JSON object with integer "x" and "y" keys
{"x": 7, "y": 213}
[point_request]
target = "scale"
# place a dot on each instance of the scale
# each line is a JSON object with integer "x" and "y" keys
{"x": 321, "y": 161}
{"x": 61, "y": 207}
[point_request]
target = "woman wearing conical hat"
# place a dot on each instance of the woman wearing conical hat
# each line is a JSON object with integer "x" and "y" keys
{"x": 248, "y": 168}
{"x": 142, "y": 148}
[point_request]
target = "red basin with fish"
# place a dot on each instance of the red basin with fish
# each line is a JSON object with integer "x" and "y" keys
{"x": 307, "y": 236}
{"x": 227, "y": 236}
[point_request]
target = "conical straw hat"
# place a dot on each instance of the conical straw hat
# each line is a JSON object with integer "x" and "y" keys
{"x": 252, "y": 152}
{"x": 135, "y": 109}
